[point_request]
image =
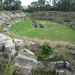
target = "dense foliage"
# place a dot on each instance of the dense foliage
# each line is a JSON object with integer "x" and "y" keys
{"x": 47, "y": 48}
{"x": 40, "y": 5}
{"x": 43, "y": 5}
{"x": 9, "y": 69}
{"x": 10, "y": 5}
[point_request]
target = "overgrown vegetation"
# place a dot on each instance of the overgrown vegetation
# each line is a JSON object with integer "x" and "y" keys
{"x": 46, "y": 48}
{"x": 9, "y": 68}
{"x": 46, "y": 51}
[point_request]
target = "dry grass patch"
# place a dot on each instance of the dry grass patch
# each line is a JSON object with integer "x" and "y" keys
{"x": 62, "y": 44}
{"x": 65, "y": 55}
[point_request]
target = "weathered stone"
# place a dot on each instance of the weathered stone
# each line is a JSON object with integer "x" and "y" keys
{"x": 7, "y": 48}
{"x": 40, "y": 66}
{"x": 10, "y": 48}
{"x": 51, "y": 66}
{"x": 60, "y": 64}
{"x": 56, "y": 51}
{"x": 30, "y": 43}
{"x": 59, "y": 72}
{"x": 3, "y": 39}
{"x": 40, "y": 25}
{"x": 25, "y": 61}
{"x": 68, "y": 73}
{"x": 38, "y": 43}
{"x": 18, "y": 43}
{"x": 67, "y": 64}
{"x": 5, "y": 29}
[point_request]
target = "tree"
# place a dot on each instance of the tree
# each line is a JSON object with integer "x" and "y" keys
{"x": 41, "y": 4}
{"x": 1, "y": 1}
{"x": 34, "y": 5}
{"x": 12, "y": 4}
{"x": 61, "y": 5}
{"x": 8, "y": 4}
{"x": 17, "y": 5}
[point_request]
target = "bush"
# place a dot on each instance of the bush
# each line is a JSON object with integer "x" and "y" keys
{"x": 9, "y": 69}
{"x": 46, "y": 48}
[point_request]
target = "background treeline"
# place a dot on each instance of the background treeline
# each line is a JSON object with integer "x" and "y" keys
{"x": 10, "y": 5}
{"x": 56, "y": 5}
{"x": 40, "y": 5}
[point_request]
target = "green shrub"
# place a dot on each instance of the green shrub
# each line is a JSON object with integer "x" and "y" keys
{"x": 46, "y": 48}
{"x": 9, "y": 69}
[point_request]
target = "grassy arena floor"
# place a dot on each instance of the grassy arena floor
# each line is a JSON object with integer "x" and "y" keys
{"x": 52, "y": 31}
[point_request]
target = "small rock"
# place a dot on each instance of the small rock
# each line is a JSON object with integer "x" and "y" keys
{"x": 5, "y": 29}
{"x": 51, "y": 67}
{"x": 67, "y": 64}
{"x": 56, "y": 51}
{"x": 30, "y": 43}
{"x": 38, "y": 43}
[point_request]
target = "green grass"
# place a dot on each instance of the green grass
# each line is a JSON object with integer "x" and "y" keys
{"x": 52, "y": 31}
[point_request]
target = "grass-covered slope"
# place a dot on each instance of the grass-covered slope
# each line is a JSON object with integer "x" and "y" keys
{"x": 52, "y": 30}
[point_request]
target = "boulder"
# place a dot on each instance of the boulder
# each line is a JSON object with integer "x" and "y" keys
{"x": 60, "y": 64}
{"x": 10, "y": 48}
{"x": 68, "y": 72}
{"x": 67, "y": 64}
{"x": 51, "y": 67}
{"x": 7, "y": 48}
{"x": 59, "y": 72}
{"x": 25, "y": 61}
{"x": 18, "y": 43}
{"x": 3, "y": 39}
